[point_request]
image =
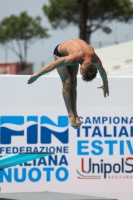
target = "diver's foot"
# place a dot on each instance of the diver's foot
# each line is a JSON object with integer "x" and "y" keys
{"x": 72, "y": 122}
{"x": 78, "y": 121}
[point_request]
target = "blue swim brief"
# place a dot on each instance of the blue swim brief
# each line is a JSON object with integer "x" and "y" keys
{"x": 56, "y": 52}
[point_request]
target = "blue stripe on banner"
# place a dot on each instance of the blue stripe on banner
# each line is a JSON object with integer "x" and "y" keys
{"x": 15, "y": 159}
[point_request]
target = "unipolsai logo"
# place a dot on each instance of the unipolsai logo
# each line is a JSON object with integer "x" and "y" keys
{"x": 122, "y": 169}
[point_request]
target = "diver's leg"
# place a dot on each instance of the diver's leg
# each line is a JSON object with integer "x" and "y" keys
{"x": 73, "y": 73}
{"x": 66, "y": 91}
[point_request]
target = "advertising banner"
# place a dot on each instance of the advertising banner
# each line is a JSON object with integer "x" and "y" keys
{"x": 95, "y": 159}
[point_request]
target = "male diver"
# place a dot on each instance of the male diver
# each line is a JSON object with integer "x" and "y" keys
{"x": 68, "y": 55}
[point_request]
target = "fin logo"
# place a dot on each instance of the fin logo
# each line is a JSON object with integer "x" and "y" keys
{"x": 11, "y": 126}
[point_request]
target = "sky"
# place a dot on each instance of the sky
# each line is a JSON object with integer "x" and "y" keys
{"x": 42, "y": 51}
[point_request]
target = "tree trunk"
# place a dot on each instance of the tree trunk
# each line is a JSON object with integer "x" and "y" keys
{"x": 83, "y": 15}
{"x": 88, "y": 37}
{"x": 23, "y": 64}
{"x": 25, "y": 51}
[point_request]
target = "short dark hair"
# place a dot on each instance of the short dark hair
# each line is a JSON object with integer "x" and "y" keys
{"x": 89, "y": 73}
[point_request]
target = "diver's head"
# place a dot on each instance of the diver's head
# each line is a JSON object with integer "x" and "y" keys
{"x": 89, "y": 72}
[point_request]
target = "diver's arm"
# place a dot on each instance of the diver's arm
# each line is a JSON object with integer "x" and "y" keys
{"x": 99, "y": 66}
{"x": 68, "y": 60}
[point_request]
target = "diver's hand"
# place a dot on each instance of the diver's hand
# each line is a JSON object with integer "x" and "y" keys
{"x": 105, "y": 88}
{"x": 33, "y": 78}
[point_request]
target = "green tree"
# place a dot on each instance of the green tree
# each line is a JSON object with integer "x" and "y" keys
{"x": 22, "y": 30}
{"x": 88, "y": 15}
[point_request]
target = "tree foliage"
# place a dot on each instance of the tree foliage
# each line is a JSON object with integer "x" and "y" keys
{"x": 24, "y": 30}
{"x": 88, "y": 15}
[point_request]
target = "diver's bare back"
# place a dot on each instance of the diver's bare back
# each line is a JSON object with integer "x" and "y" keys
{"x": 76, "y": 46}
